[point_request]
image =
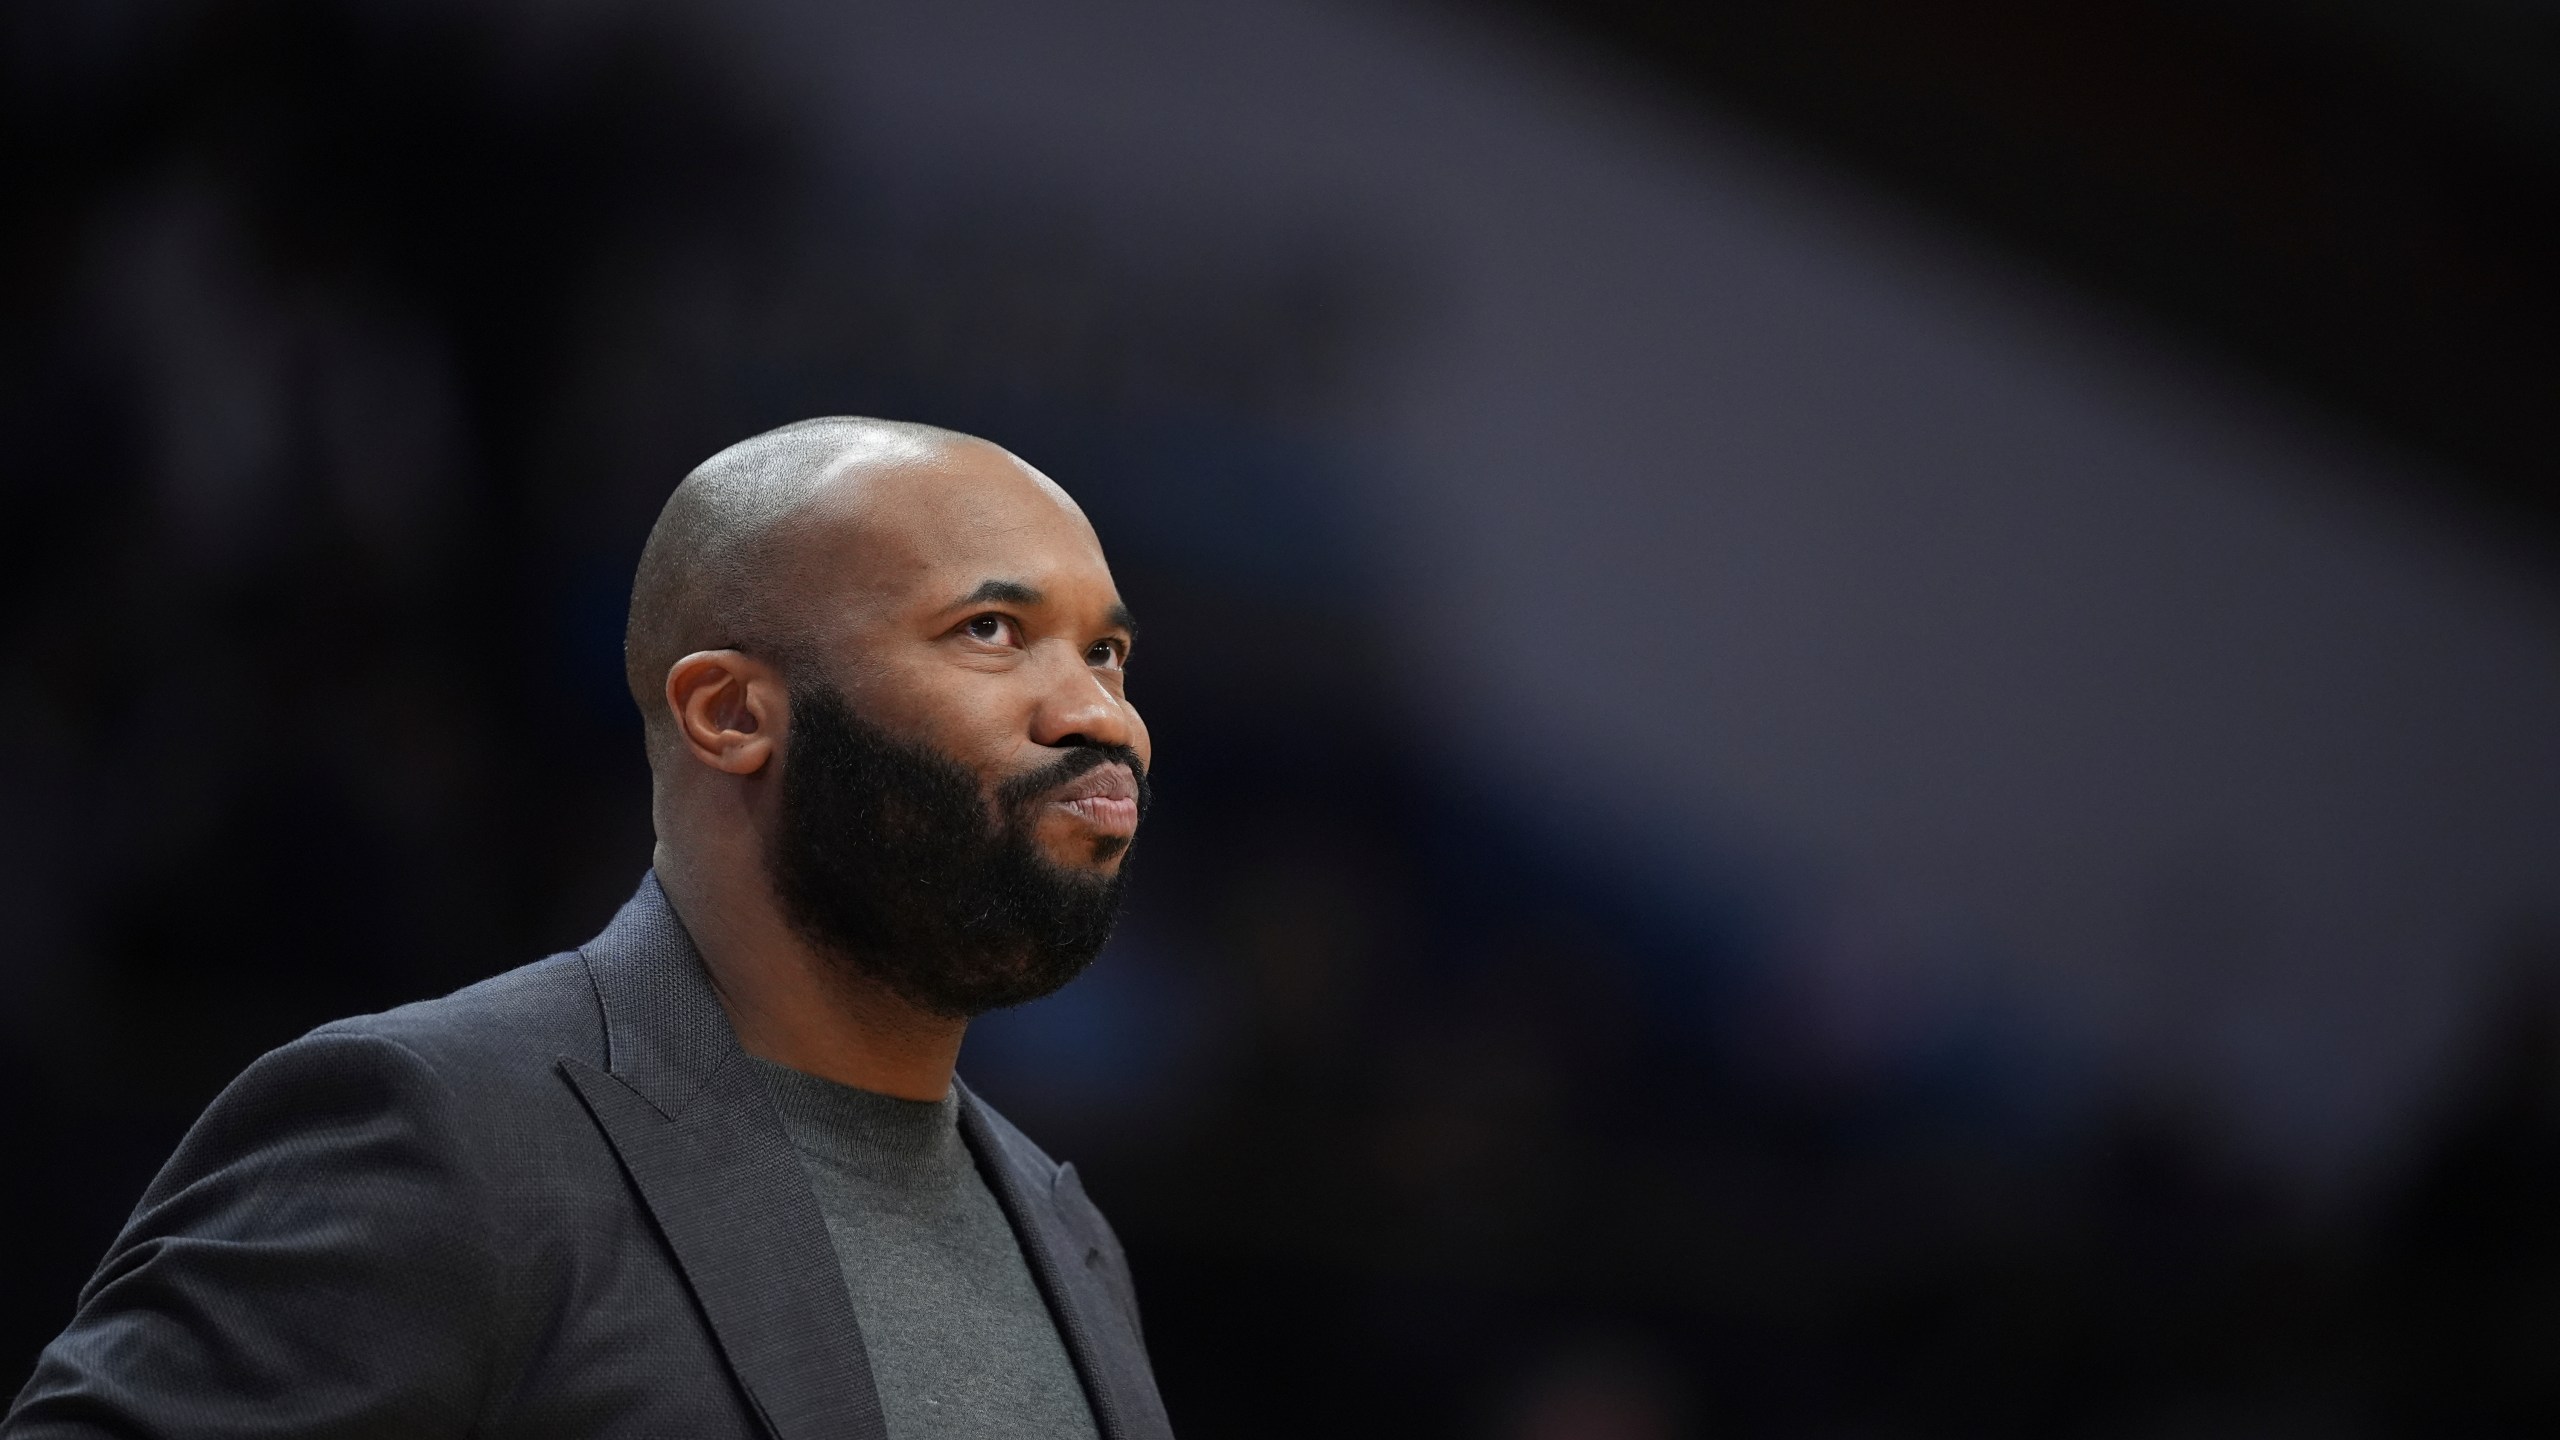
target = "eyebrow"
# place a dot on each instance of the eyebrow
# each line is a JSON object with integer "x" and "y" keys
{"x": 1014, "y": 592}
{"x": 1002, "y": 592}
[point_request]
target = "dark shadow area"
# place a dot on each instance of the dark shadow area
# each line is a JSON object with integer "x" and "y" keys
{"x": 2360, "y": 199}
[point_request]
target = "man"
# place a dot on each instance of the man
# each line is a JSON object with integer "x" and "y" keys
{"x": 712, "y": 1174}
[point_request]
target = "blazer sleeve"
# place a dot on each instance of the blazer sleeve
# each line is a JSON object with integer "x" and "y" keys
{"x": 315, "y": 1260}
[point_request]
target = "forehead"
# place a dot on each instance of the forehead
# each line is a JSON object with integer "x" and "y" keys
{"x": 925, "y": 529}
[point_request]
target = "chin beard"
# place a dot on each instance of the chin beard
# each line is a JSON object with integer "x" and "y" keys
{"x": 886, "y": 860}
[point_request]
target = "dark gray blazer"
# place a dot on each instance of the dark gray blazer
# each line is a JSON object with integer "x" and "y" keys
{"x": 556, "y": 1203}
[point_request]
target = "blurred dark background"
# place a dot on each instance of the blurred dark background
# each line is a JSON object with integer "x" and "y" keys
{"x": 1857, "y": 700}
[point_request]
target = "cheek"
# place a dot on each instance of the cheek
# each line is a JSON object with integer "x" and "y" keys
{"x": 972, "y": 724}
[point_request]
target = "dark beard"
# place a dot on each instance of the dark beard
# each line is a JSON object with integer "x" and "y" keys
{"x": 886, "y": 860}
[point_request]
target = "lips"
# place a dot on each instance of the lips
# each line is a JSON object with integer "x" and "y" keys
{"x": 1102, "y": 782}
{"x": 1105, "y": 797}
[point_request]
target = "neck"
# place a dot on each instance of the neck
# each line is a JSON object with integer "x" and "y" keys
{"x": 790, "y": 1004}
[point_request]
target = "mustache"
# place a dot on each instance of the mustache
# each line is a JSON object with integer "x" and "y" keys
{"x": 1016, "y": 794}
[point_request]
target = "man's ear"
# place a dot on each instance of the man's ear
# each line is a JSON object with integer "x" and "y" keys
{"x": 729, "y": 709}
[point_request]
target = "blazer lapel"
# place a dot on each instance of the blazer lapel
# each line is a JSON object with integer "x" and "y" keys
{"x": 1101, "y": 1337}
{"x": 705, "y": 1148}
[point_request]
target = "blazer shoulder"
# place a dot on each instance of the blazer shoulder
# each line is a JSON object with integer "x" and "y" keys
{"x": 524, "y": 1019}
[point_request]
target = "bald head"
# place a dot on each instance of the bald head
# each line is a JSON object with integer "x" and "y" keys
{"x": 716, "y": 571}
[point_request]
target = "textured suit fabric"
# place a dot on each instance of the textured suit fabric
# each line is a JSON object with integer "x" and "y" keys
{"x": 557, "y": 1203}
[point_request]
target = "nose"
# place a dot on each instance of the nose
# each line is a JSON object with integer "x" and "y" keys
{"x": 1075, "y": 705}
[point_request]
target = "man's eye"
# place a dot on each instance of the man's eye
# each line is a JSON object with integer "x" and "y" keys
{"x": 1105, "y": 653}
{"x": 993, "y": 629}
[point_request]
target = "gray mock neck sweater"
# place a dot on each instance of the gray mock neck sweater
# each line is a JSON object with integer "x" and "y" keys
{"x": 960, "y": 1341}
